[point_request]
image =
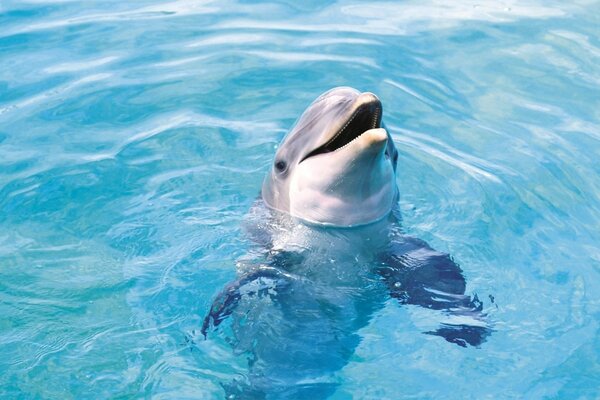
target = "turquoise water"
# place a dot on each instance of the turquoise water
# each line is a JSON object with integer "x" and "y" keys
{"x": 134, "y": 138}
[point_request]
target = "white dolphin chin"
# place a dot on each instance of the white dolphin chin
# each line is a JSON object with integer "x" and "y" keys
{"x": 353, "y": 185}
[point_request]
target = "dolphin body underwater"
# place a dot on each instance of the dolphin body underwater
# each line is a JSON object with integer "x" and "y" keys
{"x": 329, "y": 252}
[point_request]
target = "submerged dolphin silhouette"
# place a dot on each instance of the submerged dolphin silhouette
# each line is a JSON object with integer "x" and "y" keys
{"x": 311, "y": 283}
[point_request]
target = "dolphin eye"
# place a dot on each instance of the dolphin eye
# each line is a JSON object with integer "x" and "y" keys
{"x": 280, "y": 166}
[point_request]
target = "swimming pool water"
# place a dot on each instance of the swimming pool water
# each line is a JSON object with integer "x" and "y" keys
{"x": 134, "y": 137}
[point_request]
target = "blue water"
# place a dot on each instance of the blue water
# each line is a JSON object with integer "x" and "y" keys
{"x": 134, "y": 137}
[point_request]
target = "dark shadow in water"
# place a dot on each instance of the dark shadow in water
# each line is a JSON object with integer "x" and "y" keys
{"x": 416, "y": 274}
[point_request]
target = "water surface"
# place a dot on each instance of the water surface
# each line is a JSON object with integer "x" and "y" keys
{"x": 134, "y": 138}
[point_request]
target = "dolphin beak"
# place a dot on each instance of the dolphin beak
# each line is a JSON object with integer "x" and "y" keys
{"x": 375, "y": 138}
{"x": 362, "y": 117}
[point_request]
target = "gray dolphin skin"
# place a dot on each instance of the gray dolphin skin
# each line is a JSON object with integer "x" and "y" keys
{"x": 327, "y": 252}
{"x": 336, "y": 167}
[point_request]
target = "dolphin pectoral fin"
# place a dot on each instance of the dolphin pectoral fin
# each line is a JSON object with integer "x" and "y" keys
{"x": 416, "y": 274}
{"x": 260, "y": 281}
{"x": 467, "y": 324}
{"x": 222, "y": 307}
{"x": 462, "y": 334}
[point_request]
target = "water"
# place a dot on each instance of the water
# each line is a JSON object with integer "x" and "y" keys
{"x": 134, "y": 138}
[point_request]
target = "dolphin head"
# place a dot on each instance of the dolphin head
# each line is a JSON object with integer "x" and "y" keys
{"x": 337, "y": 165}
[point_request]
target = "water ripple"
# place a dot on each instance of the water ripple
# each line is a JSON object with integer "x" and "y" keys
{"x": 134, "y": 138}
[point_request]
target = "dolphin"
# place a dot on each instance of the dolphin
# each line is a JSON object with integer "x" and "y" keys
{"x": 337, "y": 165}
{"x": 329, "y": 252}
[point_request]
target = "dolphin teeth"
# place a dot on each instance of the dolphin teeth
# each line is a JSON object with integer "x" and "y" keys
{"x": 366, "y": 117}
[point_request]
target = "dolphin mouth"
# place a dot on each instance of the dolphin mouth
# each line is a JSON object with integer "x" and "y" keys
{"x": 366, "y": 116}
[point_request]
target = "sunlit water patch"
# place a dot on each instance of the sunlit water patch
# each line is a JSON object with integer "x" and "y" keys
{"x": 134, "y": 137}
